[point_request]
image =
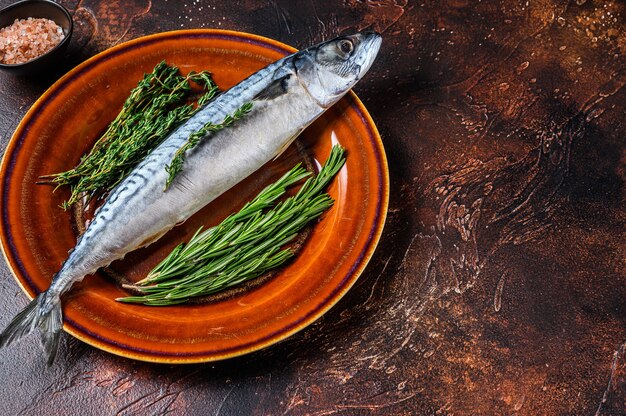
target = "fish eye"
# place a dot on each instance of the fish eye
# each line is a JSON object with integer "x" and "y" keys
{"x": 346, "y": 46}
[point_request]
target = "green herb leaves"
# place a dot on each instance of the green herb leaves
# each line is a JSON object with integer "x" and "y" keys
{"x": 154, "y": 108}
{"x": 245, "y": 245}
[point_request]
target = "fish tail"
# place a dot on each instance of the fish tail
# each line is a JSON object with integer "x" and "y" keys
{"x": 43, "y": 312}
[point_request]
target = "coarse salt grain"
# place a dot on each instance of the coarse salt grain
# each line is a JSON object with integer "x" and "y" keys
{"x": 27, "y": 39}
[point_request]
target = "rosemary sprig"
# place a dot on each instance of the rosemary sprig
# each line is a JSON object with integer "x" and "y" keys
{"x": 245, "y": 245}
{"x": 153, "y": 109}
{"x": 176, "y": 165}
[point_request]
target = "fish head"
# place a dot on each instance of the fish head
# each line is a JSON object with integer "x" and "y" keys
{"x": 328, "y": 70}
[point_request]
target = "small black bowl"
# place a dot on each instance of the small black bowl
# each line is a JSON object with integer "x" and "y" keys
{"x": 38, "y": 9}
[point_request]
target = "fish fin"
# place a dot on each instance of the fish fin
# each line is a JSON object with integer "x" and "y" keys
{"x": 51, "y": 334}
{"x": 154, "y": 238}
{"x": 22, "y": 325}
{"x": 287, "y": 144}
{"x": 276, "y": 88}
{"x": 42, "y": 313}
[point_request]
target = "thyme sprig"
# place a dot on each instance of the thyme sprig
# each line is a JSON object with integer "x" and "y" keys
{"x": 154, "y": 108}
{"x": 245, "y": 245}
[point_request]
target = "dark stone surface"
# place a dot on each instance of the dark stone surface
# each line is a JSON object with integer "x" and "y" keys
{"x": 499, "y": 285}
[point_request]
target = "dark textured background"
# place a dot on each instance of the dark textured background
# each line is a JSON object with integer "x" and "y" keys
{"x": 499, "y": 285}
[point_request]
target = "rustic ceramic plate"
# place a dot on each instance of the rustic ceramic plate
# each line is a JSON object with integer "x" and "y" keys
{"x": 36, "y": 234}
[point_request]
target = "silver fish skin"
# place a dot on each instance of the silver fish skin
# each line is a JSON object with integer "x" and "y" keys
{"x": 287, "y": 96}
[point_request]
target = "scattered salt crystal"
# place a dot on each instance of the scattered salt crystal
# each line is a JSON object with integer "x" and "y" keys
{"x": 27, "y": 39}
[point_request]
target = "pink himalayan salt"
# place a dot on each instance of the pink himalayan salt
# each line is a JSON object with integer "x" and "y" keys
{"x": 27, "y": 39}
